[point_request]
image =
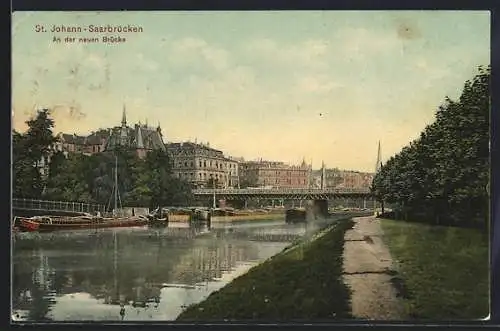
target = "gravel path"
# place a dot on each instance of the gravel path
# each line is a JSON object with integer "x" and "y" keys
{"x": 367, "y": 264}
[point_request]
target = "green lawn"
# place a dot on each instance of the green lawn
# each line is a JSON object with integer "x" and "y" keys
{"x": 444, "y": 270}
{"x": 302, "y": 283}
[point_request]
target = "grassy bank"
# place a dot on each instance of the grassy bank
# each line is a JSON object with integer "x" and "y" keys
{"x": 444, "y": 270}
{"x": 303, "y": 282}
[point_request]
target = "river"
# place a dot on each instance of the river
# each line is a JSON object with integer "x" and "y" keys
{"x": 154, "y": 273}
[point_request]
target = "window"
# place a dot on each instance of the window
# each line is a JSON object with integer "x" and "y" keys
{"x": 200, "y": 164}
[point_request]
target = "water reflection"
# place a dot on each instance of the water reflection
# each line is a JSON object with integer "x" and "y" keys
{"x": 135, "y": 273}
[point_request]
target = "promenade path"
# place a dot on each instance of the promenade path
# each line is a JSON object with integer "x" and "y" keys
{"x": 368, "y": 266}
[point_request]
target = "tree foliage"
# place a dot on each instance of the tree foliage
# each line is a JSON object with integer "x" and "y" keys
{"x": 28, "y": 150}
{"x": 442, "y": 176}
{"x": 144, "y": 182}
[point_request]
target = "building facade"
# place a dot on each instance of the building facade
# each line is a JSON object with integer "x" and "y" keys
{"x": 140, "y": 138}
{"x": 336, "y": 178}
{"x": 274, "y": 174}
{"x": 91, "y": 144}
{"x": 203, "y": 166}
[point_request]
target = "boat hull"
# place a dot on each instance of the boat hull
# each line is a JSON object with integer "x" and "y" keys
{"x": 33, "y": 225}
{"x": 295, "y": 216}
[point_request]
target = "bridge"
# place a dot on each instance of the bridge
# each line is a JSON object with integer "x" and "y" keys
{"x": 34, "y": 206}
{"x": 284, "y": 193}
{"x": 44, "y": 206}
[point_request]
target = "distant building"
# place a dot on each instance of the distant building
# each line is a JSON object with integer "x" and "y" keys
{"x": 202, "y": 165}
{"x": 43, "y": 165}
{"x": 274, "y": 174}
{"x": 336, "y": 178}
{"x": 140, "y": 138}
{"x": 69, "y": 143}
{"x": 95, "y": 142}
{"x": 91, "y": 144}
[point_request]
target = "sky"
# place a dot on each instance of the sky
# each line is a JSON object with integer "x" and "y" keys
{"x": 277, "y": 85}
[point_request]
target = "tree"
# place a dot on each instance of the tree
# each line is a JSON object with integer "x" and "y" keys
{"x": 159, "y": 184}
{"x": 442, "y": 175}
{"x": 68, "y": 181}
{"x": 79, "y": 177}
{"x": 28, "y": 150}
{"x": 39, "y": 137}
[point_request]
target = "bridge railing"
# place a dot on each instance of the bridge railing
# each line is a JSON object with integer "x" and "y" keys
{"x": 281, "y": 191}
{"x": 48, "y": 205}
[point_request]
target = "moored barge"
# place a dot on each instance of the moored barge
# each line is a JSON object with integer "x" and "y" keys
{"x": 49, "y": 223}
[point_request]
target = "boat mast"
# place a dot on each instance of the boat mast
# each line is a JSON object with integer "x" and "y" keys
{"x": 116, "y": 184}
{"x": 214, "y": 205}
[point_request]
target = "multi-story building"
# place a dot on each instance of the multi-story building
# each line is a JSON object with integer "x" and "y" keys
{"x": 202, "y": 165}
{"x": 91, "y": 144}
{"x": 95, "y": 142}
{"x": 140, "y": 138}
{"x": 274, "y": 174}
{"x": 356, "y": 179}
{"x": 336, "y": 178}
{"x": 69, "y": 143}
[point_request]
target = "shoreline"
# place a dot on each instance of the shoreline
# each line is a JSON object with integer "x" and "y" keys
{"x": 255, "y": 217}
{"x": 232, "y": 218}
{"x": 280, "y": 288}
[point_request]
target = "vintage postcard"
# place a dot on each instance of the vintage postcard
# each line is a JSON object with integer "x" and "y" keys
{"x": 250, "y": 166}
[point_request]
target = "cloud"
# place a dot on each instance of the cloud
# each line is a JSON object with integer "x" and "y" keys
{"x": 319, "y": 83}
{"x": 195, "y": 51}
{"x": 145, "y": 63}
{"x": 311, "y": 54}
{"x": 361, "y": 43}
{"x": 378, "y": 81}
{"x": 96, "y": 61}
{"x": 432, "y": 71}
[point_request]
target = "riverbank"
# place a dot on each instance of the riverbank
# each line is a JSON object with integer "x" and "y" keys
{"x": 303, "y": 282}
{"x": 179, "y": 218}
{"x": 249, "y": 217}
{"x": 444, "y": 270}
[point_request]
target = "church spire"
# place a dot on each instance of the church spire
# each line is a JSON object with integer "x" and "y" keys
{"x": 124, "y": 116}
{"x": 140, "y": 143}
{"x": 378, "y": 165}
{"x": 323, "y": 175}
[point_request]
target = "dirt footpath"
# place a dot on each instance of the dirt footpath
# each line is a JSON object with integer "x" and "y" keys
{"x": 367, "y": 271}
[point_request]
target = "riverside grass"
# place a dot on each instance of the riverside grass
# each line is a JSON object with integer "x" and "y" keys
{"x": 303, "y": 282}
{"x": 444, "y": 269}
